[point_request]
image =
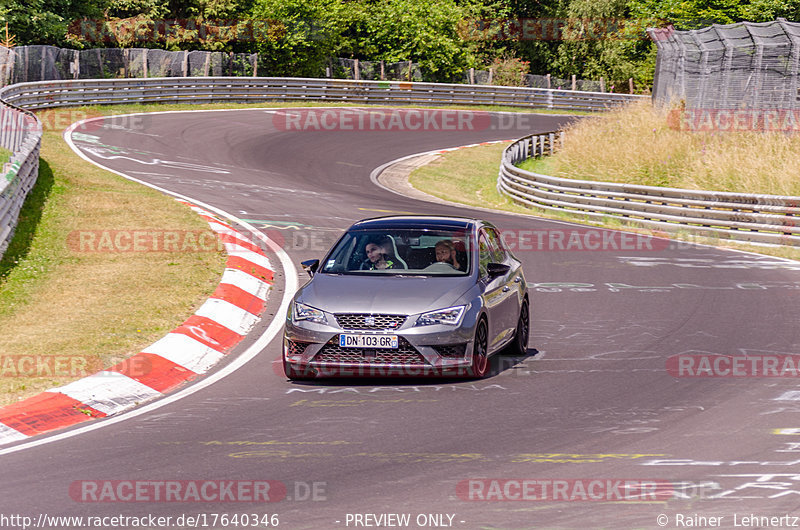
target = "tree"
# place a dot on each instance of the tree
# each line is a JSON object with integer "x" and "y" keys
{"x": 298, "y": 36}
{"x": 46, "y": 21}
{"x": 603, "y": 39}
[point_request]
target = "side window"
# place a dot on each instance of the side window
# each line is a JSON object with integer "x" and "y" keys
{"x": 484, "y": 253}
{"x": 495, "y": 247}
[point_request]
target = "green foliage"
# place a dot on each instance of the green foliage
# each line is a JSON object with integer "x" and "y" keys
{"x": 509, "y": 71}
{"x": 693, "y": 14}
{"x": 301, "y": 35}
{"x": 45, "y": 21}
{"x": 604, "y": 40}
{"x": 601, "y": 38}
{"x": 151, "y": 9}
{"x": 400, "y": 30}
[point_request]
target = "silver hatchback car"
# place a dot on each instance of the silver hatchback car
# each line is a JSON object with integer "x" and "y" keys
{"x": 408, "y": 296}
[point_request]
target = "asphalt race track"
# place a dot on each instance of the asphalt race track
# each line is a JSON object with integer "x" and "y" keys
{"x": 593, "y": 404}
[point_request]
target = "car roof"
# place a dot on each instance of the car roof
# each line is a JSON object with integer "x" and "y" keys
{"x": 415, "y": 221}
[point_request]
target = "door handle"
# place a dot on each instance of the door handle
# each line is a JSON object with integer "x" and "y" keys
{"x": 517, "y": 279}
{"x": 506, "y": 289}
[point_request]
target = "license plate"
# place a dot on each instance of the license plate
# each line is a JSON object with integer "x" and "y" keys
{"x": 368, "y": 341}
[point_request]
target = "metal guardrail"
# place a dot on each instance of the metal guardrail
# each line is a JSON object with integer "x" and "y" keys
{"x": 22, "y": 131}
{"x": 770, "y": 219}
{"x": 49, "y": 94}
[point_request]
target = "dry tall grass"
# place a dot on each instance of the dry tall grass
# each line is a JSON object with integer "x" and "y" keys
{"x": 637, "y": 145}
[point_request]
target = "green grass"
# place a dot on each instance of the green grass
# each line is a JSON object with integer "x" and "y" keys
{"x": 94, "y": 308}
{"x": 469, "y": 176}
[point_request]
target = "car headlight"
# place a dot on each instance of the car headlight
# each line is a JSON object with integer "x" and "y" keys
{"x": 450, "y": 316}
{"x": 306, "y": 312}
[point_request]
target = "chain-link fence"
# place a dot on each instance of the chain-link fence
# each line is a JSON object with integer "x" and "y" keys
{"x": 6, "y": 65}
{"x": 737, "y": 66}
{"x": 48, "y": 63}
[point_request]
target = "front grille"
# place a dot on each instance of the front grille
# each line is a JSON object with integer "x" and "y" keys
{"x": 295, "y": 348}
{"x": 405, "y": 354}
{"x": 368, "y": 321}
{"x": 451, "y": 350}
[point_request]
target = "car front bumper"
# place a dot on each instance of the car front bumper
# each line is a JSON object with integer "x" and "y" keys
{"x": 436, "y": 350}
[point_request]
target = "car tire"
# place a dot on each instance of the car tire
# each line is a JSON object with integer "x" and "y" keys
{"x": 480, "y": 362}
{"x": 296, "y": 375}
{"x": 519, "y": 346}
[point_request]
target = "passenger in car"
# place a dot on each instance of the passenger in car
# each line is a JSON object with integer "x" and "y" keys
{"x": 446, "y": 253}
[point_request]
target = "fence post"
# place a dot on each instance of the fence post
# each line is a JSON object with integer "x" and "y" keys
{"x": 409, "y": 71}
{"x": 255, "y": 65}
{"x": 185, "y": 65}
{"x": 206, "y": 65}
{"x": 25, "y": 65}
{"x": 491, "y": 75}
{"x": 383, "y": 71}
{"x": 356, "y": 72}
{"x": 44, "y": 63}
{"x": 144, "y": 62}
{"x": 100, "y": 62}
{"x": 3, "y": 126}
{"x": 574, "y": 83}
{"x": 548, "y": 82}
{"x": 602, "y": 85}
{"x": 630, "y": 85}
{"x": 76, "y": 65}
{"x": 471, "y": 76}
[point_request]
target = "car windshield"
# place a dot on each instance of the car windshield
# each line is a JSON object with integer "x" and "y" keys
{"x": 440, "y": 252}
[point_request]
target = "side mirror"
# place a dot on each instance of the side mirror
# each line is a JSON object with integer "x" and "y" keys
{"x": 497, "y": 269}
{"x": 310, "y": 266}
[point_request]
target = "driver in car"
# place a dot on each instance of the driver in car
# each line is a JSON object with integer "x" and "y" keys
{"x": 379, "y": 255}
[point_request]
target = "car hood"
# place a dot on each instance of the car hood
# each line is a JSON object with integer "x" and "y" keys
{"x": 383, "y": 294}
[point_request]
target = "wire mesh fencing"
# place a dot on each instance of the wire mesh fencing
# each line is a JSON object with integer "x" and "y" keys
{"x": 6, "y": 65}
{"x": 736, "y": 66}
{"x": 48, "y": 63}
